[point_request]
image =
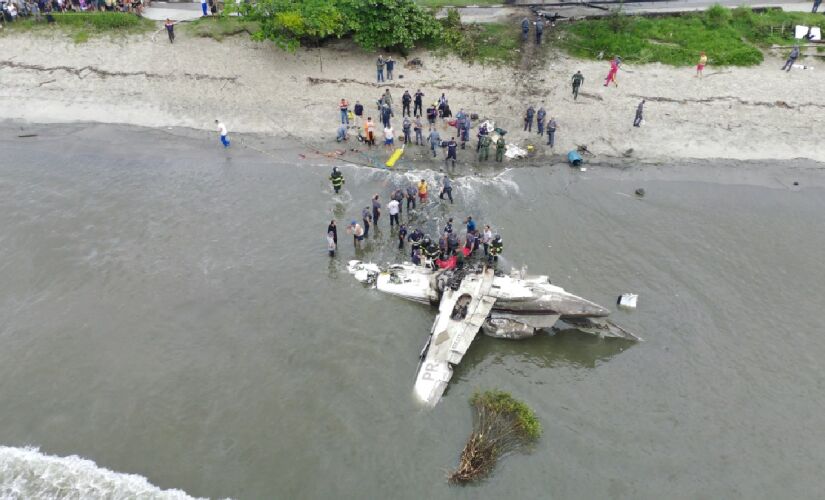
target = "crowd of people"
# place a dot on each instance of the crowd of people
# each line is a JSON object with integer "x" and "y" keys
{"x": 12, "y": 10}
{"x": 448, "y": 251}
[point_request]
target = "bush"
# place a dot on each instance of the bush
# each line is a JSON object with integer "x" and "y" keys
{"x": 501, "y": 425}
{"x": 717, "y": 16}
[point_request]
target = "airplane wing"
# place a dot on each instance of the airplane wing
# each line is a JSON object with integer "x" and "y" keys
{"x": 461, "y": 313}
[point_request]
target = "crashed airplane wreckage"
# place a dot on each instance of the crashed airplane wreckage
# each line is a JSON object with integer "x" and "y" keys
{"x": 479, "y": 298}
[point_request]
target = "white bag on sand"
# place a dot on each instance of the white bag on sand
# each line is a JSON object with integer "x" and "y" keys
{"x": 514, "y": 151}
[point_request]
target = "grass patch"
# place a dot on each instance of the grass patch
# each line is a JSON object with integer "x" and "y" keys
{"x": 81, "y": 37}
{"x": 497, "y": 43}
{"x": 458, "y": 3}
{"x": 220, "y": 27}
{"x": 83, "y": 25}
{"x": 729, "y": 37}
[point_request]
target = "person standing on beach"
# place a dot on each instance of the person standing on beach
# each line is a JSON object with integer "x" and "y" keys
{"x": 792, "y": 58}
{"x": 540, "y": 116}
{"x": 419, "y": 101}
{"x": 379, "y": 66}
{"x": 402, "y": 234}
{"x": 816, "y": 6}
{"x": 432, "y": 113}
{"x": 369, "y": 130}
{"x": 500, "y": 145}
{"x": 551, "y": 132}
{"x": 578, "y": 79}
{"x": 452, "y": 149}
{"x": 528, "y": 118}
{"x": 639, "y": 110}
{"x": 525, "y": 29}
{"x": 359, "y": 112}
{"x": 418, "y": 128}
{"x": 170, "y": 29}
{"x": 387, "y": 99}
{"x": 390, "y": 66}
{"x": 386, "y": 113}
{"x": 703, "y": 60}
{"x": 223, "y": 133}
{"x": 539, "y": 29}
{"x": 484, "y": 150}
{"x": 406, "y": 99}
{"x": 398, "y": 195}
{"x": 389, "y": 136}
{"x": 406, "y": 125}
{"x": 343, "y": 106}
{"x": 435, "y": 140}
{"x": 203, "y": 8}
{"x": 611, "y": 75}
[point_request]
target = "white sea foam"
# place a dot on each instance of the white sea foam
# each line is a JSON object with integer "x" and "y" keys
{"x": 26, "y": 473}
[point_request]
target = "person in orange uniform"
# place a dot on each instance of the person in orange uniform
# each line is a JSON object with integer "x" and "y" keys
{"x": 369, "y": 131}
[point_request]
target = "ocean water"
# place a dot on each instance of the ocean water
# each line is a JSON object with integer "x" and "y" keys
{"x": 169, "y": 312}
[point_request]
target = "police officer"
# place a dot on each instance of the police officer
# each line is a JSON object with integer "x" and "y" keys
{"x": 484, "y": 153}
{"x": 528, "y": 118}
{"x": 418, "y": 127}
{"x": 500, "y": 145}
{"x": 496, "y": 247}
{"x": 452, "y": 149}
{"x": 412, "y": 192}
{"x": 337, "y": 179}
{"x": 419, "y": 96}
{"x": 366, "y": 217}
{"x": 406, "y": 99}
{"x": 432, "y": 114}
{"x": 540, "y": 120}
{"x": 398, "y": 196}
{"x": 551, "y": 132}
{"x": 406, "y": 125}
{"x": 447, "y": 188}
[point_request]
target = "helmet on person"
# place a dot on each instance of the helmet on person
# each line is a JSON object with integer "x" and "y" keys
{"x": 426, "y": 240}
{"x": 334, "y": 170}
{"x": 497, "y": 237}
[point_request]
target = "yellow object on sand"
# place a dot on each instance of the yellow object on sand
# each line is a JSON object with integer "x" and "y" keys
{"x": 394, "y": 157}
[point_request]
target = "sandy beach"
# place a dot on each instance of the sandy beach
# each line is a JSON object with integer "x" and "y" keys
{"x": 736, "y": 113}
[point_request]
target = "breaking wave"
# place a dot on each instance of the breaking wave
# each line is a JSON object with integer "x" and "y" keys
{"x": 26, "y": 473}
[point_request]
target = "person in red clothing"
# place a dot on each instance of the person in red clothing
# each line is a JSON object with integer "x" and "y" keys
{"x": 611, "y": 75}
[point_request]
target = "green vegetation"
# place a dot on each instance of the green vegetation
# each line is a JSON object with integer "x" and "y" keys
{"x": 220, "y": 27}
{"x": 485, "y": 43}
{"x": 81, "y": 26}
{"x": 374, "y": 24}
{"x": 729, "y": 37}
{"x": 501, "y": 425}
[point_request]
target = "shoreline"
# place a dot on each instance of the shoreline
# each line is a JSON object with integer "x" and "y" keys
{"x": 759, "y": 173}
{"x": 757, "y": 113}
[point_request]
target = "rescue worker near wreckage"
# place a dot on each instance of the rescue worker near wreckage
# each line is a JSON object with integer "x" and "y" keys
{"x": 496, "y": 247}
{"x": 500, "y": 146}
{"x": 412, "y": 192}
{"x": 447, "y": 188}
{"x": 337, "y": 179}
{"x": 435, "y": 140}
{"x": 484, "y": 152}
{"x": 415, "y": 242}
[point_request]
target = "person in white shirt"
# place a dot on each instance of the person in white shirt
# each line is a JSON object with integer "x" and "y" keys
{"x": 388, "y": 136}
{"x": 222, "y": 131}
{"x": 393, "y": 207}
